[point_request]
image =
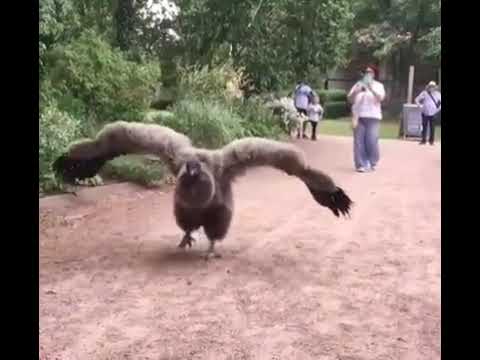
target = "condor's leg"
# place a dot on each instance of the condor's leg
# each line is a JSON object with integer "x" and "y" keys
{"x": 188, "y": 220}
{"x": 216, "y": 225}
{"x": 187, "y": 240}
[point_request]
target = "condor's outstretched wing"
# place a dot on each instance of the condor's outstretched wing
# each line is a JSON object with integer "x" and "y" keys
{"x": 83, "y": 159}
{"x": 242, "y": 154}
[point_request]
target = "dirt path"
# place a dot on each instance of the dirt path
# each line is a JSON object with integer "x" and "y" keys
{"x": 294, "y": 282}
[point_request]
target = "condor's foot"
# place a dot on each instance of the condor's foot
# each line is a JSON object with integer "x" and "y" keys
{"x": 211, "y": 253}
{"x": 187, "y": 240}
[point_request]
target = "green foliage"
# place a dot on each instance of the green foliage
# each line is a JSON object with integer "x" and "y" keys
{"x": 257, "y": 120}
{"x": 111, "y": 87}
{"x": 164, "y": 97}
{"x": 212, "y": 107}
{"x": 157, "y": 116}
{"x": 135, "y": 169}
{"x": 57, "y": 130}
{"x": 383, "y": 39}
{"x": 333, "y": 95}
{"x": 209, "y": 124}
{"x": 283, "y": 93}
{"x": 386, "y": 27}
{"x": 221, "y": 82}
{"x": 57, "y": 22}
{"x": 432, "y": 45}
{"x": 275, "y": 41}
{"x": 153, "y": 34}
{"x": 336, "y": 109}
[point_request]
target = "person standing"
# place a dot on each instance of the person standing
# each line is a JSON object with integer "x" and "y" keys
{"x": 366, "y": 97}
{"x": 430, "y": 100}
{"x": 315, "y": 113}
{"x": 302, "y": 98}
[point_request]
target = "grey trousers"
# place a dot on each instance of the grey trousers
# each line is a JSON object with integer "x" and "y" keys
{"x": 365, "y": 143}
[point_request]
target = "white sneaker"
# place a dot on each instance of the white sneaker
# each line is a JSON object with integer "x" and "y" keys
{"x": 361, "y": 169}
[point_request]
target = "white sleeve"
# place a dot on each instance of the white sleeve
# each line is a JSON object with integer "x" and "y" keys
{"x": 381, "y": 91}
{"x": 352, "y": 89}
{"x": 419, "y": 98}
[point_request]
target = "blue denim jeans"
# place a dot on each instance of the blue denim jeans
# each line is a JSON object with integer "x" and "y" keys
{"x": 365, "y": 143}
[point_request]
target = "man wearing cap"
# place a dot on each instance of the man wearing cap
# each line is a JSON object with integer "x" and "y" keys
{"x": 430, "y": 100}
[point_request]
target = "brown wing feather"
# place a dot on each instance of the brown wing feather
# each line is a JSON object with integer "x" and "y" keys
{"x": 242, "y": 154}
{"x": 85, "y": 158}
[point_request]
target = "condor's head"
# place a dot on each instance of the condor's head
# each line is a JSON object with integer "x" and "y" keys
{"x": 195, "y": 184}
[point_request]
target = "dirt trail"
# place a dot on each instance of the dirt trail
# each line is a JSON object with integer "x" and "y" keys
{"x": 294, "y": 282}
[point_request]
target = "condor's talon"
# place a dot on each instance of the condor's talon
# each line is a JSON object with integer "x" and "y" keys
{"x": 212, "y": 255}
{"x": 187, "y": 240}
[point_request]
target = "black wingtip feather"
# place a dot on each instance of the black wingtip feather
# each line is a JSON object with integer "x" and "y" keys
{"x": 338, "y": 202}
{"x": 69, "y": 169}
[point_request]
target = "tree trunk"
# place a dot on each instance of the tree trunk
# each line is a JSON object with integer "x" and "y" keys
{"x": 124, "y": 23}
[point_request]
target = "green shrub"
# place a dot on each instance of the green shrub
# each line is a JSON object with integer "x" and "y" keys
{"x": 284, "y": 93}
{"x": 134, "y": 169}
{"x": 337, "y": 109}
{"x": 222, "y": 82}
{"x": 334, "y": 95}
{"x": 164, "y": 97}
{"x": 157, "y": 116}
{"x": 208, "y": 124}
{"x": 257, "y": 120}
{"x": 57, "y": 130}
{"x": 111, "y": 87}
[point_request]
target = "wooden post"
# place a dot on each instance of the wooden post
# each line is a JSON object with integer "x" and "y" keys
{"x": 410, "y": 85}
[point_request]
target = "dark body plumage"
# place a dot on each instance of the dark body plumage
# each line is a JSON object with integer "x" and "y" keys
{"x": 203, "y": 193}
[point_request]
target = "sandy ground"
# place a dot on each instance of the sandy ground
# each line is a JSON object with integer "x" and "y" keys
{"x": 294, "y": 281}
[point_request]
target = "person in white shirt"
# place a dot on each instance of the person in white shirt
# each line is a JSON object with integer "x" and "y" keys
{"x": 366, "y": 97}
{"x": 314, "y": 113}
{"x": 430, "y": 100}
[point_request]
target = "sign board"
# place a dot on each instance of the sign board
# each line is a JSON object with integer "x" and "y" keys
{"x": 412, "y": 120}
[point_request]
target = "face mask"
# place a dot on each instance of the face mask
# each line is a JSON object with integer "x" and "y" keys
{"x": 367, "y": 79}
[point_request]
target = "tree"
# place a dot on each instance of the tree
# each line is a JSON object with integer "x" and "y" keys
{"x": 276, "y": 41}
{"x": 389, "y": 26}
{"x": 58, "y": 22}
{"x": 432, "y": 45}
{"x": 124, "y": 15}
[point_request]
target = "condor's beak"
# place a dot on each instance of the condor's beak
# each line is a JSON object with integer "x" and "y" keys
{"x": 192, "y": 171}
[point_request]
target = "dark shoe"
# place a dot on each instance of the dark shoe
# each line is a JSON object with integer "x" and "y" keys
{"x": 432, "y": 143}
{"x": 314, "y": 138}
{"x": 422, "y": 143}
